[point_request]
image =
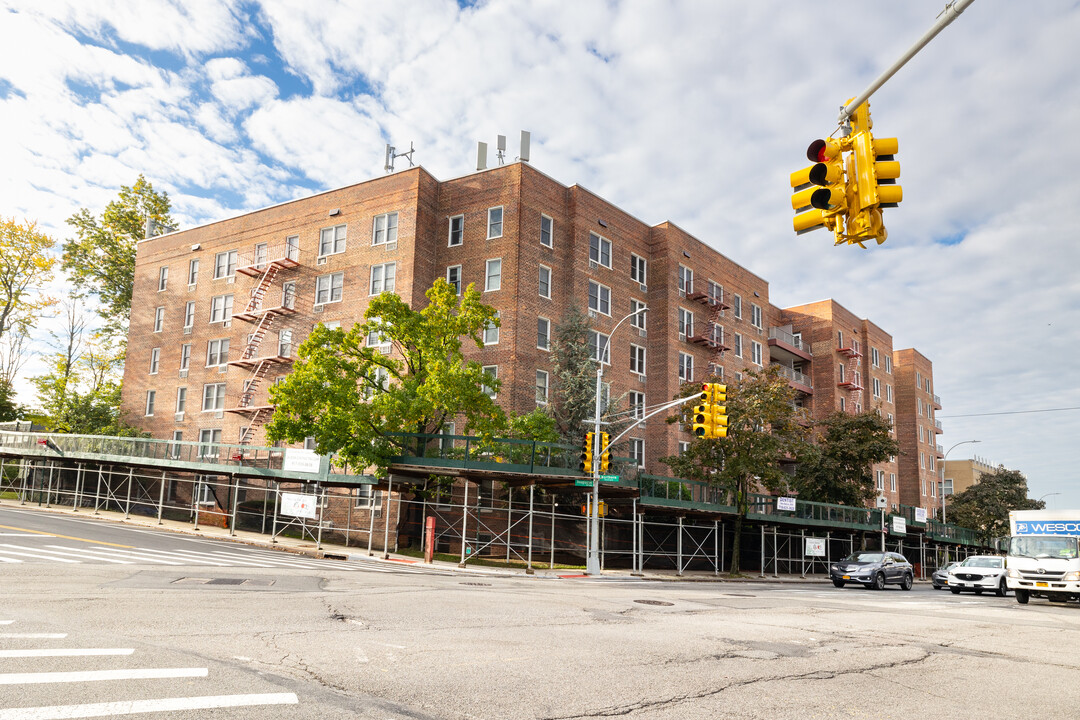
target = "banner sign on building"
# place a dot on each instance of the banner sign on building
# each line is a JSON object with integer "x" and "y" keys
{"x": 920, "y": 515}
{"x": 899, "y": 525}
{"x": 785, "y": 503}
{"x": 815, "y": 547}
{"x": 297, "y": 505}
{"x": 300, "y": 460}
{"x": 1048, "y": 527}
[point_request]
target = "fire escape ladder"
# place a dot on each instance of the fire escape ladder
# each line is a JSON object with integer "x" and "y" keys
{"x": 257, "y": 335}
{"x": 265, "y": 281}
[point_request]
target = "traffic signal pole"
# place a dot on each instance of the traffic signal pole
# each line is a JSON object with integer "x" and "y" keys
{"x": 950, "y": 13}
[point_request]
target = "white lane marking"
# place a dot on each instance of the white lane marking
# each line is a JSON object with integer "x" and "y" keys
{"x": 99, "y": 675}
{"x": 6, "y": 622}
{"x": 23, "y": 535}
{"x": 79, "y": 552}
{"x": 48, "y": 636}
{"x": 65, "y": 652}
{"x": 132, "y": 707}
{"x": 36, "y": 555}
{"x": 136, "y": 556}
{"x": 205, "y": 558}
{"x": 9, "y": 560}
{"x": 279, "y": 561}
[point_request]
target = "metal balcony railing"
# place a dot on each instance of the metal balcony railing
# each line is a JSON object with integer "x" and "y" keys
{"x": 789, "y": 339}
{"x": 794, "y": 375}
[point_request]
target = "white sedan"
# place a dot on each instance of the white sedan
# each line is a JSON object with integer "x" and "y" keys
{"x": 978, "y": 573}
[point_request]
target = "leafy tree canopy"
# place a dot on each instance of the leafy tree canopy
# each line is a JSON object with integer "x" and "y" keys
{"x": 9, "y": 409}
{"x": 838, "y": 468}
{"x": 26, "y": 263}
{"x": 350, "y": 396}
{"x": 573, "y": 376}
{"x": 984, "y": 507}
{"x": 101, "y": 258}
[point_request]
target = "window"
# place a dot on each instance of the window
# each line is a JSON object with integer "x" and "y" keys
{"x": 686, "y": 323}
{"x": 888, "y": 393}
{"x": 221, "y": 308}
{"x": 163, "y": 278}
{"x": 332, "y": 240}
{"x": 599, "y": 298}
{"x": 258, "y": 258}
{"x": 736, "y": 306}
{"x": 288, "y": 295}
{"x": 637, "y": 319}
{"x": 543, "y": 333}
{"x": 383, "y": 278}
{"x": 888, "y": 364}
{"x": 637, "y": 451}
{"x": 453, "y": 276}
{"x": 493, "y": 275}
{"x": 159, "y": 319}
{"x": 881, "y": 480}
{"x": 207, "y": 440}
{"x": 546, "y": 226}
{"x": 545, "y": 282}
{"x": 284, "y": 344}
{"x": 686, "y": 280}
{"x": 738, "y": 345}
{"x": 686, "y": 367}
{"x": 541, "y": 387}
{"x": 637, "y": 359}
{"x": 918, "y": 379}
{"x": 155, "y": 357}
{"x": 684, "y": 447}
{"x": 292, "y": 247}
{"x": 933, "y": 458}
{"x": 193, "y": 271}
{"x": 755, "y": 315}
{"x": 490, "y": 371}
{"x": 638, "y": 266}
{"x": 175, "y": 447}
{"x": 637, "y": 405}
{"x": 181, "y": 399}
{"x": 380, "y": 381}
{"x": 185, "y": 356}
{"x": 598, "y": 343}
{"x": 491, "y": 331}
{"x": 384, "y": 229}
{"x": 874, "y": 359}
{"x": 892, "y": 482}
{"x": 328, "y": 288}
{"x": 599, "y": 250}
{"x": 922, "y": 460}
{"x": 225, "y": 264}
{"x": 217, "y": 352}
{"x": 843, "y": 405}
{"x": 755, "y": 352}
{"x": 457, "y": 231}
{"x": 716, "y": 292}
{"x": 375, "y": 337}
{"x": 876, "y": 387}
{"x": 842, "y": 373}
{"x": 189, "y": 314}
{"x": 150, "y": 396}
{"x": 495, "y": 222}
{"x": 213, "y": 398}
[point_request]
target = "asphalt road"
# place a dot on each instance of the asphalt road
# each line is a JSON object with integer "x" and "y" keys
{"x": 260, "y": 634}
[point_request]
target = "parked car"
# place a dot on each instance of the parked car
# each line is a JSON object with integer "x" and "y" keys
{"x": 874, "y": 570}
{"x": 978, "y": 573}
{"x": 940, "y": 578}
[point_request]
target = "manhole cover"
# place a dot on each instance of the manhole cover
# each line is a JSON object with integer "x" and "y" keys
{"x": 223, "y": 581}
{"x": 477, "y": 584}
{"x": 655, "y": 602}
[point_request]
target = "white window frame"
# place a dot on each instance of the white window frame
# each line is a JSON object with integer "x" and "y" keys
{"x": 388, "y": 233}
{"x": 495, "y": 226}
{"x": 602, "y": 244}
{"x": 189, "y": 314}
{"x": 602, "y": 296}
{"x": 449, "y": 272}
{"x": 151, "y": 398}
{"x": 228, "y": 268}
{"x": 193, "y": 272}
{"x": 213, "y": 397}
{"x": 550, "y": 231}
{"x": 755, "y": 316}
{"x": 221, "y": 307}
{"x": 383, "y": 278}
{"x": 686, "y": 279}
{"x": 639, "y": 269}
{"x": 545, "y": 336}
{"x": 494, "y": 374}
{"x": 888, "y": 364}
{"x": 163, "y": 278}
{"x": 875, "y": 358}
{"x": 686, "y": 323}
{"x": 637, "y": 451}
{"x": 185, "y": 356}
{"x": 736, "y": 305}
{"x": 458, "y": 234}
{"x": 207, "y": 438}
{"x": 181, "y": 399}
{"x": 888, "y": 393}
{"x": 490, "y": 286}
{"x": 637, "y": 319}
{"x": 325, "y": 285}
{"x": 637, "y": 406}
{"x": 544, "y": 269}
{"x": 755, "y": 352}
{"x": 686, "y": 367}
{"x": 738, "y": 345}
{"x": 637, "y": 359}
{"x": 875, "y": 387}
{"x": 284, "y": 345}
{"x": 155, "y": 360}
{"x": 375, "y": 338}
{"x": 159, "y": 318}
{"x": 595, "y": 345}
{"x": 218, "y": 349}
{"x": 332, "y": 240}
{"x": 542, "y": 387}
{"x": 491, "y": 332}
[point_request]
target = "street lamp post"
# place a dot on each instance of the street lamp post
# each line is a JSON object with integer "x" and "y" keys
{"x": 1048, "y": 495}
{"x": 962, "y": 442}
{"x": 592, "y": 561}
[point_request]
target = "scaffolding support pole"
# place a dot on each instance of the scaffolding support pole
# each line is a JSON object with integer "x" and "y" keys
{"x": 678, "y": 548}
{"x": 235, "y": 490}
{"x": 464, "y": 522}
{"x": 528, "y": 562}
{"x": 161, "y": 499}
{"x": 78, "y": 481}
{"x": 127, "y": 506}
{"x": 386, "y": 517}
{"x": 273, "y": 526}
{"x": 24, "y": 474}
{"x": 716, "y": 547}
{"x": 371, "y": 526}
{"x": 551, "y": 558}
{"x": 48, "y": 492}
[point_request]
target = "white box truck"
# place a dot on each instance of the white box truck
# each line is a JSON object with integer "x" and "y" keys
{"x": 1044, "y": 555}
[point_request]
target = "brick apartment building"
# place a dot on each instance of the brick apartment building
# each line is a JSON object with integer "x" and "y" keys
{"x": 219, "y": 310}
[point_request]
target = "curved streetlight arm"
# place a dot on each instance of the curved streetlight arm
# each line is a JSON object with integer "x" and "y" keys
{"x": 943, "y": 460}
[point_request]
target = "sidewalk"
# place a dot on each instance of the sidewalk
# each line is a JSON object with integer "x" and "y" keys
{"x": 357, "y": 554}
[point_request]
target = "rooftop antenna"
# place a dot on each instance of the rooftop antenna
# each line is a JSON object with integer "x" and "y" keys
{"x": 392, "y": 155}
{"x": 501, "y": 151}
{"x": 481, "y": 156}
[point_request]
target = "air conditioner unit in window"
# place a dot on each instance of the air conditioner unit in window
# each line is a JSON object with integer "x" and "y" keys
{"x": 187, "y": 330}
{"x": 321, "y": 261}
{"x": 223, "y": 369}
{"x": 642, "y": 332}
{"x": 317, "y": 308}
{"x": 593, "y": 265}
{"x": 178, "y": 417}
{"x": 644, "y": 288}
{"x": 231, "y": 279}
{"x": 641, "y": 379}
{"x": 191, "y": 287}
{"x": 391, "y": 247}
{"x": 183, "y": 373}
{"x": 227, "y": 323}
{"x": 386, "y": 349}
{"x": 592, "y": 314}
{"x": 219, "y": 414}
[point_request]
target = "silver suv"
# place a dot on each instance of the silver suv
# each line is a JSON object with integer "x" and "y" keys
{"x": 873, "y": 570}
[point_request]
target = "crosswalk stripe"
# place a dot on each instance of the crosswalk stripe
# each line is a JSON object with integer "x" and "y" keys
{"x": 281, "y": 561}
{"x": 33, "y": 636}
{"x": 132, "y": 707}
{"x": 65, "y": 652}
{"x": 138, "y": 556}
{"x": 203, "y": 558}
{"x": 9, "y": 560}
{"x": 6, "y": 622}
{"x": 5, "y": 551}
{"x": 80, "y": 552}
{"x": 100, "y": 675}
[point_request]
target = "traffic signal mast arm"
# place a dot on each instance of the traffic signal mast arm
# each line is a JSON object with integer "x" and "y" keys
{"x": 657, "y": 411}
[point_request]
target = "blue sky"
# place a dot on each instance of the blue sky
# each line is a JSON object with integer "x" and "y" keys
{"x": 688, "y": 111}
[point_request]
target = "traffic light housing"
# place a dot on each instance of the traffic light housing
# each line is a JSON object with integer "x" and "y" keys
{"x": 703, "y": 421}
{"x": 605, "y": 453}
{"x": 586, "y": 457}
{"x": 875, "y": 170}
{"x": 710, "y": 416}
{"x": 821, "y": 190}
{"x": 719, "y": 409}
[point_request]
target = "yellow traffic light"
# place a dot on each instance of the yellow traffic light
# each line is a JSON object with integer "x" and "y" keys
{"x": 876, "y": 171}
{"x": 821, "y": 190}
{"x": 720, "y": 421}
{"x": 702, "y": 426}
{"x": 586, "y": 457}
{"x": 605, "y": 454}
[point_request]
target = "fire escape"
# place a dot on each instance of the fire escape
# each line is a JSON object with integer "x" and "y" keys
{"x": 265, "y": 265}
{"x": 713, "y": 336}
{"x": 854, "y": 382}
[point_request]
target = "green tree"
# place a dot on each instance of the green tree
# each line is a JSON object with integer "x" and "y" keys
{"x": 573, "y": 376}
{"x": 838, "y": 468}
{"x": 763, "y": 431}
{"x": 984, "y": 507}
{"x": 100, "y": 260}
{"x": 26, "y": 263}
{"x": 9, "y": 409}
{"x": 351, "y": 397}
